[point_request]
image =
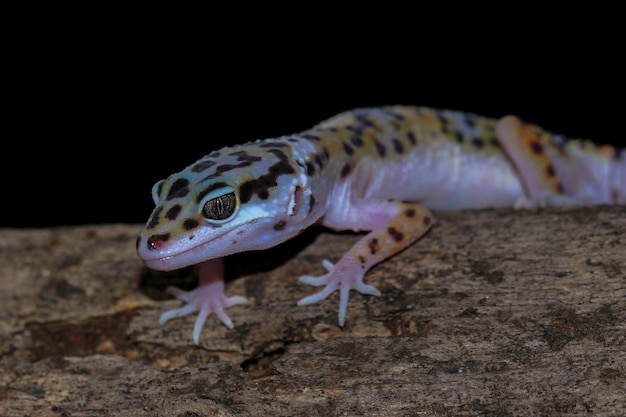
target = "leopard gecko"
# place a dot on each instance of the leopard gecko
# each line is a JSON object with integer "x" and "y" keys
{"x": 377, "y": 170}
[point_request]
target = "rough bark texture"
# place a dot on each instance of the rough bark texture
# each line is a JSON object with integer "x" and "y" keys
{"x": 497, "y": 312}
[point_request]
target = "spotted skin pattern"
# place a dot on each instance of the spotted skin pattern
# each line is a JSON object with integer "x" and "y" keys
{"x": 377, "y": 170}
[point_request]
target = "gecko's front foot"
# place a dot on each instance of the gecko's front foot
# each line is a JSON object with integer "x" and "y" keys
{"x": 205, "y": 299}
{"x": 337, "y": 278}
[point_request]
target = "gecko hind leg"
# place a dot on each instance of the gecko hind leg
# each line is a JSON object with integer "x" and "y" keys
{"x": 331, "y": 285}
{"x": 394, "y": 225}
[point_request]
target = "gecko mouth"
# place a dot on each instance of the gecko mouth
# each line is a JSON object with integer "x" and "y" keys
{"x": 177, "y": 260}
{"x": 178, "y": 254}
{"x": 190, "y": 256}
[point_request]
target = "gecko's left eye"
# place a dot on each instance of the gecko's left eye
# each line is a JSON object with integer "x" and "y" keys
{"x": 221, "y": 207}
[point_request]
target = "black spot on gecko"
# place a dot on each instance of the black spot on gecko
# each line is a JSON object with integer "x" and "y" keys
{"x": 362, "y": 259}
{"x": 280, "y": 225}
{"x": 154, "y": 218}
{"x": 208, "y": 189}
{"x": 202, "y": 165}
{"x": 373, "y": 245}
{"x": 273, "y": 145}
{"x": 356, "y": 140}
{"x": 173, "y": 213}
{"x": 427, "y": 221}
{"x": 325, "y": 154}
{"x": 242, "y": 157}
{"x": 395, "y": 234}
{"x": 478, "y": 143}
{"x": 559, "y": 188}
{"x": 346, "y": 147}
{"x": 397, "y": 146}
{"x": 537, "y": 147}
{"x": 260, "y": 186}
{"x": 409, "y": 213}
{"x": 310, "y": 169}
{"x": 155, "y": 241}
{"x": 459, "y": 137}
{"x": 228, "y": 167}
{"x": 445, "y": 124}
{"x": 550, "y": 171}
{"x": 345, "y": 170}
{"x": 380, "y": 148}
{"x": 310, "y": 137}
{"x": 190, "y": 224}
{"x": 280, "y": 155}
{"x": 394, "y": 115}
{"x": 312, "y": 203}
{"x": 179, "y": 189}
{"x": 411, "y": 137}
{"x": 318, "y": 161}
{"x": 362, "y": 118}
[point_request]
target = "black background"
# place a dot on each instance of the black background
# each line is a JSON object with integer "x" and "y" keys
{"x": 94, "y": 119}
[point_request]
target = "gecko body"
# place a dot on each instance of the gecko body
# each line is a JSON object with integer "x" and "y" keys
{"x": 378, "y": 170}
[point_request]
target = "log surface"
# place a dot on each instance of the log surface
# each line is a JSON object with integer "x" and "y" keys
{"x": 494, "y": 312}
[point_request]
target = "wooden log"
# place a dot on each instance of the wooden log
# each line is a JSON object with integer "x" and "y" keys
{"x": 494, "y": 312}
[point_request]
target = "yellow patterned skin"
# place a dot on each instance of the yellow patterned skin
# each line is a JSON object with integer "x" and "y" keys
{"x": 378, "y": 170}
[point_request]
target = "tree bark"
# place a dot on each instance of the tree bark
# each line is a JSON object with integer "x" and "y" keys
{"x": 494, "y": 312}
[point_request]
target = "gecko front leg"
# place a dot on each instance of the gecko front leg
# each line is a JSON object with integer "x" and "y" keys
{"x": 207, "y": 298}
{"x": 393, "y": 226}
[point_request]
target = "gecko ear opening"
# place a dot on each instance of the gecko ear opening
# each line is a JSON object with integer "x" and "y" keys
{"x": 296, "y": 201}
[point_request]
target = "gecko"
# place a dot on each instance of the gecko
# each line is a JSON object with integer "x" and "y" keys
{"x": 381, "y": 171}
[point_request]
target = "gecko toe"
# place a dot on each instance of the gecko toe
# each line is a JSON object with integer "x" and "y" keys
{"x": 181, "y": 295}
{"x": 366, "y": 289}
{"x": 197, "y": 328}
{"x": 178, "y": 312}
{"x": 314, "y": 281}
{"x": 318, "y": 296}
{"x": 235, "y": 300}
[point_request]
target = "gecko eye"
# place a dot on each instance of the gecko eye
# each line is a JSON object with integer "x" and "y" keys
{"x": 221, "y": 207}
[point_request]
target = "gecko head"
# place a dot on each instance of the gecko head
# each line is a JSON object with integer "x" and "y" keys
{"x": 233, "y": 200}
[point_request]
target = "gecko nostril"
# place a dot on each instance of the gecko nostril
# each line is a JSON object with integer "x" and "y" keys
{"x": 155, "y": 242}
